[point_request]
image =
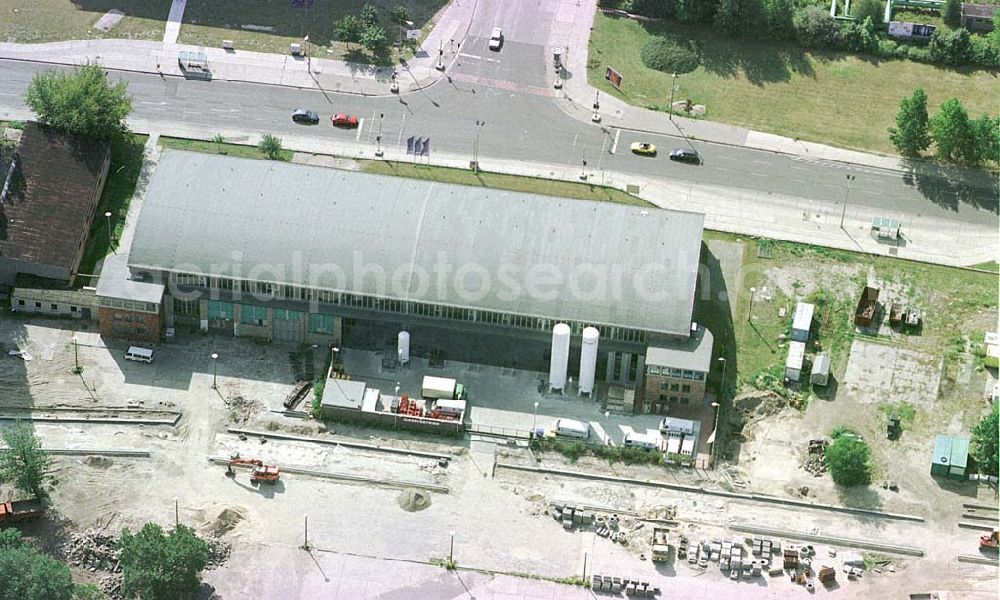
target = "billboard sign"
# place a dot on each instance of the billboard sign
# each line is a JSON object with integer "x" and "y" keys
{"x": 903, "y": 29}
{"x": 614, "y": 77}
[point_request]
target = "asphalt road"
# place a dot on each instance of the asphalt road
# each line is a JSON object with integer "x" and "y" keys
{"x": 522, "y": 123}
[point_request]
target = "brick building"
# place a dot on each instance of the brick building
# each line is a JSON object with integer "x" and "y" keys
{"x": 128, "y": 308}
{"x": 676, "y": 372}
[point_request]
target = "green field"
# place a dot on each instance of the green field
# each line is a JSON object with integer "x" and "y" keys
{"x": 57, "y": 20}
{"x": 515, "y": 183}
{"x": 270, "y": 26}
{"x": 237, "y": 150}
{"x": 825, "y": 97}
{"x": 126, "y": 162}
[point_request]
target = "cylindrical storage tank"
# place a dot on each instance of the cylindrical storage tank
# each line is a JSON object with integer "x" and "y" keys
{"x": 560, "y": 357}
{"x": 588, "y": 360}
{"x": 403, "y": 347}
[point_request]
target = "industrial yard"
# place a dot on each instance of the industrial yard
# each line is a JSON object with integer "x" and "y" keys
{"x": 376, "y": 497}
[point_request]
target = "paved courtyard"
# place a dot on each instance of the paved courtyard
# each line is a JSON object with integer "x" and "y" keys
{"x": 880, "y": 373}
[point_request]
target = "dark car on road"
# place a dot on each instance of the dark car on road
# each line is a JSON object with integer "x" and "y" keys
{"x": 306, "y": 117}
{"x": 685, "y": 155}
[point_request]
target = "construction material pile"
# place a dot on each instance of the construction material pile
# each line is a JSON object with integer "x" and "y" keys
{"x": 111, "y": 585}
{"x": 815, "y": 461}
{"x": 92, "y": 550}
{"x": 241, "y": 409}
{"x": 218, "y": 552}
{"x": 412, "y": 500}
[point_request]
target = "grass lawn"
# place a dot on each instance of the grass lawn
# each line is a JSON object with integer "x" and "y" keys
{"x": 238, "y": 150}
{"x": 825, "y": 97}
{"x": 56, "y": 20}
{"x": 271, "y": 25}
{"x": 126, "y": 162}
{"x": 566, "y": 189}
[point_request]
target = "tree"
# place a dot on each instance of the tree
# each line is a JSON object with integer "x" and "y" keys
{"x": 348, "y": 30}
{"x": 869, "y": 8}
{"x": 270, "y": 146}
{"x": 24, "y": 462}
{"x": 742, "y": 18}
{"x": 161, "y": 567}
{"x": 985, "y": 442}
{"x": 849, "y": 460}
{"x": 910, "y": 136}
{"x": 374, "y": 39}
{"x": 952, "y": 14}
{"x": 951, "y": 47}
{"x": 399, "y": 15}
{"x": 986, "y": 131}
{"x": 814, "y": 27}
{"x": 26, "y": 574}
{"x": 369, "y": 16}
{"x": 778, "y": 15}
{"x": 82, "y": 101}
{"x": 952, "y": 133}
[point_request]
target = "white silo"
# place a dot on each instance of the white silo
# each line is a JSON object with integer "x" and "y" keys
{"x": 560, "y": 357}
{"x": 403, "y": 347}
{"x": 588, "y": 359}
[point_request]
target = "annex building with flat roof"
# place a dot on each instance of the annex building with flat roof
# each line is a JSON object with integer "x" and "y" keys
{"x": 308, "y": 254}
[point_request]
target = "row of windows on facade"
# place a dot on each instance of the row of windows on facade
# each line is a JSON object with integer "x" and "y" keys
{"x": 251, "y": 314}
{"x": 120, "y": 331}
{"x": 676, "y": 387}
{"x": 676, "y": 373}
{"x": 420, "y": 309}
{"x": 133, "y": 305}
{"x": 51, "y": 306}
{"x": 675, "y": 399}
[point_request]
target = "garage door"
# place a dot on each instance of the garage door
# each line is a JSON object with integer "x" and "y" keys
{"x": 287, "y": 326}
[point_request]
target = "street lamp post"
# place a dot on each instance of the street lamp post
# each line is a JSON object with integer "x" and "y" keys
{"x": 722, "y": 384}
{"x": 475, "y": 146}
{"x": 305, "y": 533}
{"x": 715, "y": 433}
{"x": 673, "y": 84}
{"x": 177, "y": 514}
{"x": 107, "y": 216}
{"x": 847, "y": 196}
{"x": 76, "y": 354}
{"x": 378, "y": 137}
{"x": 440, "y": 63}
{"x": 308, "y": 53}
{"x": 753, "y": 291}
{"x": 215, "y": 371}
{"x": 451, "y": 549}
{"x": 534, "y": 420}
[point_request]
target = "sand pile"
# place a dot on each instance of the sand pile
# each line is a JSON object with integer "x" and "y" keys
{"x": 412, "y": 500}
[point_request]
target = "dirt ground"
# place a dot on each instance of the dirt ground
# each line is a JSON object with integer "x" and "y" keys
{"x": 498, "y": 516}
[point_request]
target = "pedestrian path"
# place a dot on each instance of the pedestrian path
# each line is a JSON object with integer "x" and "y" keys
{"x": 174, "y": 20}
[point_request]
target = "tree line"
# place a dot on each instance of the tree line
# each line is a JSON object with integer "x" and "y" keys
{"x": 364, "y": 28}
{"x": 956, "y": 136}
{"x": 811, "y": 26}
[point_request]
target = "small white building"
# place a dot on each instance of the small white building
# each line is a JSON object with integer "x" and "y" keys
{"x": 802, "y": 322}
{"x": 820, "y": 373}
{"x": 793, "y": 364}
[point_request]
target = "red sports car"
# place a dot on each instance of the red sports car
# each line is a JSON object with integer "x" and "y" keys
{"x": 344, "y": 120}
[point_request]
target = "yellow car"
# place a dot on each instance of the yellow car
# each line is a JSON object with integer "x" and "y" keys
{"x": 644, "y": 148}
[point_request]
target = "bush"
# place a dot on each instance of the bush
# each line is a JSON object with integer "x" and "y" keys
{"x": 669, "y": 56}
{"x": 919, "y": 54}
{"x": 869, "y": 9}
{"x": 950, "y": 47}
{"x": 815, "y": 28}
{"x": 849, "y": 460}
{"x": 655, "y": 9}
{"x": 983, "y": 52}
{"x": 859, "y": 37}
{"x": 629, "y": 455}
{"x": 571, "y": 450}
{"x": 270, "y": 146}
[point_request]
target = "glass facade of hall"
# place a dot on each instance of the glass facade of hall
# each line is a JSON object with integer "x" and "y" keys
{"x": 262, "y": 291}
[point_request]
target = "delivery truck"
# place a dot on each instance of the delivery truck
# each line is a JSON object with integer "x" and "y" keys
{"x": 442, "y": 388}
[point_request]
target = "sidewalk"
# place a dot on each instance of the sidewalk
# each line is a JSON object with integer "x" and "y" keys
{"x": 262, "y": 67}
{"x": 576, "y": 18}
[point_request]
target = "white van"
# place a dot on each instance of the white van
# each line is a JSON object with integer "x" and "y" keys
{"x": 643, "y": 441}
{"x": 571, "y": 428}
{"x": 140, "y": 354}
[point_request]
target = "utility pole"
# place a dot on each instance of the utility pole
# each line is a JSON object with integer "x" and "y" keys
{"x": 847, "y": 196}
{"x": 673, "y": 84}
{"x": 753, "y": 291}
{"x": 378, "y": 137}
{"x": 475, "y": 146}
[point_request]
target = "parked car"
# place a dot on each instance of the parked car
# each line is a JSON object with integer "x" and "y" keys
{"x": 344, "y": 120}
{"x": 644, "y": 148}
{"x": 496, "y": 39}
{"x": 685, "y": 155}
{"x": 306, "y": 117}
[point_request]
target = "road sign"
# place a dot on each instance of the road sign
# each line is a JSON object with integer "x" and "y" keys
{"x": 413, "y": 34}
{"x": 614, "y": 77}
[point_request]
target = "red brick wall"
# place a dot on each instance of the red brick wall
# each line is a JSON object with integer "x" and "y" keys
{"x": 129, "y": 325}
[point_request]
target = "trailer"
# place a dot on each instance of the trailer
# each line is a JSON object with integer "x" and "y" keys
{"x": 661, "y": 547}
{"x": 442, "y": 388}
{"x": 20, "y": 510}
{"x": 867, "y": 306}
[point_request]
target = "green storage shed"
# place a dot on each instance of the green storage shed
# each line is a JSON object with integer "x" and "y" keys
{"x": 951, "y": 457}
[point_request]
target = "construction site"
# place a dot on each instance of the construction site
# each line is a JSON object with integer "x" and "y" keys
{"x": 331, "y": 507}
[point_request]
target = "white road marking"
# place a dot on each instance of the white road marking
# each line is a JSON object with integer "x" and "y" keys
{"x": 464, "y": 55}
{"x": 614, "y": 146}
{"x": 373, "y": 120}
{"x": 574, "y": 139}
{"x": 361, "y": 125}
{"x": 399, "y": 139}
{"x": 193, "y": 112}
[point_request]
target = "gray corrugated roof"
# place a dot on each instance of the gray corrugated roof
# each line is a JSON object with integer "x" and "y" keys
{"x": 202, "y": 210}
{"x": 693, "y": 353}
{"x": 343, "y": 393}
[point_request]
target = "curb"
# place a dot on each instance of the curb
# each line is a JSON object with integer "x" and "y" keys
{"x": 701, "y": 490}
{"x": 839, "y": 541}
{"x": 346, "y": 444}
